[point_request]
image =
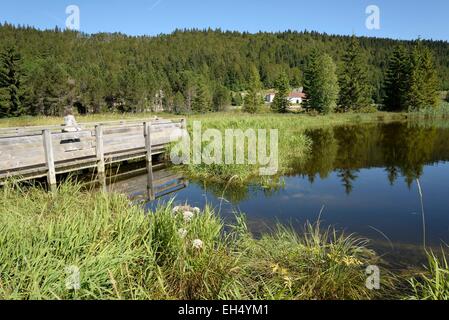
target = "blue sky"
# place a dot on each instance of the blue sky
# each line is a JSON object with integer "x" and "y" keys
{"x": 402, "y": 19}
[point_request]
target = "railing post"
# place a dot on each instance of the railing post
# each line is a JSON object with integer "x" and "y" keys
{"x": 149, "y": 160}
{"x": 99, "y": 146}
{"x": 49, "y": 159}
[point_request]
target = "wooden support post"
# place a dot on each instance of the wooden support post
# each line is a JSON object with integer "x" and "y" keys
{"x": 149, "y": 160}
{"x": 100, "y": 156}
{"x": 49, "y": 159}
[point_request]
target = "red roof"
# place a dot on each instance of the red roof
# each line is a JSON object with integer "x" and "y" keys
{"x": 301, "y": 95}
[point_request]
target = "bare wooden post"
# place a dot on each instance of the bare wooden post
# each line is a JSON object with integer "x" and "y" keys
{"x": 49, "y": 159}
{"x": 149, "y": 160}
{"x": 100, "y": 156}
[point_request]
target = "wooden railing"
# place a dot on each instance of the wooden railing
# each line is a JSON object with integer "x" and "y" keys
{"x": 32, "y": 152}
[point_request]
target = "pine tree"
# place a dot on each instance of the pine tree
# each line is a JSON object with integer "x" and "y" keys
{"x": 10, "y": 83}
{"x": 281, "y": 103}
{"x": 321, "y": 83}
{"x": 253, "y": 100}
{"x": 355, "y": 90}
{"x": 397, "y": 80}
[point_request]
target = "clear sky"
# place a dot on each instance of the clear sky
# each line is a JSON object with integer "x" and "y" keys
{"x": 402, "y": 19}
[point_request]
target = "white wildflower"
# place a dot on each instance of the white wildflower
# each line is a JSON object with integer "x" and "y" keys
{"x": 197, "y": 244}
{"x": 182, "y": 233}
{"x": 188, "y": 215}
{"x": 176, "y": 209}
{"x": 196, "y": 210}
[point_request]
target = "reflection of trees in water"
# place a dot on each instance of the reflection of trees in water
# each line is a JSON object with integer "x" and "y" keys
{"x": 347, "y": 178}
{"x": 407, "y": 148}
{"x": 402, "y": 148}
{"x": 324, "y": 152}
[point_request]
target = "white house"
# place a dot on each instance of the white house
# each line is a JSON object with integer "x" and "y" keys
{"x": 295, "y": 97}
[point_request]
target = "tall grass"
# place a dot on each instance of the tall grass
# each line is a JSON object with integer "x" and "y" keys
{"x": 434, "y": 284}
{"x": 123, "y": 253}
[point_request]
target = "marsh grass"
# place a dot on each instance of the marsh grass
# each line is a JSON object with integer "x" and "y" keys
{"x": 316, "y": 263}
{"x": 434, "y": 283}
{"x": 123, "y": 253}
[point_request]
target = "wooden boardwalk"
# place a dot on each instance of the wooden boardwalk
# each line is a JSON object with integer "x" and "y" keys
{"x": 34, "y": 152}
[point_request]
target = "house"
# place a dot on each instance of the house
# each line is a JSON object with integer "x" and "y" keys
{"x": 295, "y": 97}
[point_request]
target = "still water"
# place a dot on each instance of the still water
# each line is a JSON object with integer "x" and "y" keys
{"x": 366, "y": 179}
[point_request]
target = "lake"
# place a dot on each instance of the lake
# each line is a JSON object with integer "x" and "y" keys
{"x": 364, "y": 179}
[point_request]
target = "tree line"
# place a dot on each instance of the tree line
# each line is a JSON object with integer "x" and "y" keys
{"x": 44, "y": 72}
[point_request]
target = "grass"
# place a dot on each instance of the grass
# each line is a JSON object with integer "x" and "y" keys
{"x": 442, "y": 112}
{"x": 434, "y": 284}
{"x": 123, "y": 253}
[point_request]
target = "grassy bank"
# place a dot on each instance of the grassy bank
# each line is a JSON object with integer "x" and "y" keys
{"x": 301, "y": 119}
{"x": 121, "y": 253}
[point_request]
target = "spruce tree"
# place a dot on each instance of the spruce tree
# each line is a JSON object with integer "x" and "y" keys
{"x": 321, "y": 83}
{"x": 355, "y": 90}
{"x": 423, "y": 83}
{"x": 253, "y": 100}
{"x": 179, "y": 103}
{"x": 221, "y": 98}
{"x": 397, "y": 80}
{"x": 10, "y": 83}
{"x": 201, "y": 102}
{"x": 281, "y": 103}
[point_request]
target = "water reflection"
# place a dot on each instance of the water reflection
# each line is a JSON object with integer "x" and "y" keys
{"x": 403, "y": 149}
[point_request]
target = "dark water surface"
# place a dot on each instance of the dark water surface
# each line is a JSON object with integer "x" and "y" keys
{"x": 365, "y": 176}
